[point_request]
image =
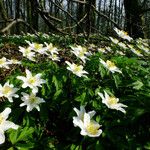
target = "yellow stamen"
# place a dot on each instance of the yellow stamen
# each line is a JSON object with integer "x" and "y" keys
{"x": 32, "y": 99}
{"x": 37, "y": 46}
{"x": 6, "y": 90}
{"x": 2, "y": 61}
{"x": 137, "y": 51}
{"x": 27, "y": 51}
{"x": 81, "y": 53}
{"x": 92, "y": 129}
{"x": 32, "y": 80}
{"x": 112, "y": 101}
{"x": 77, "y": 68}
{"x": 110, "y": 64}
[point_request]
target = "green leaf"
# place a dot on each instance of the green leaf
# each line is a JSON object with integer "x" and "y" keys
{"x": 117, "y": 80}
{"x": 81, "y": 98}
{"x": 26, "y": 132}
{"x": 58, "y": 92}
{"x": 147, "y": 146}
{"x": 56, "y": 82}
{"x": 24, "y": 146}
{"x": 14, "y": 135}
{"x": 137, "y": 85}
{"x": 20, "y": 134}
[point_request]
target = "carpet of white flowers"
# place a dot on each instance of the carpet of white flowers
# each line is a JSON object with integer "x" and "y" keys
{"x": 75, "y": 96}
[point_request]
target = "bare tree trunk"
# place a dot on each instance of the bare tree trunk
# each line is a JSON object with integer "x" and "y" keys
{"x": 90, "y": 19}
{"x": 80, "y": 14}
{"x": 3, "y": 12}
{"x": 133, "y": 18}
{"x": 34, "y": 15}
{"x": 98, "y": 18}
{"x": 17, "y": 8}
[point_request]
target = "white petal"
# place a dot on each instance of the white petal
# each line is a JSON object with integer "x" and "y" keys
{"x": 24, "y": 85}
{"x": 86, "y": 119}
{"x": 82, "y": 109}
{"x": 77, "y": 111}
{"x": 97, "y": 134}
{"x": 38, "y": 108}
{"x": 76, "y": 121}
{"x": 34, "y": 90}
{"x": 122, "y": 110}
{"x": 21, "y": 78}
{"x": 22, "y": 104}
{"x": 103, "y": 62}
{"x": 106, "y": 95}
{"x": 68, "y": 63}
{"x": 92, "y": 113}
{"x": 83, "y": 132}
{"x": 101, "y": 95}
{"x": 28, "y": 73}
{"x": 2, "y": 137}
{"x": 38, "y": 75}
{"x": 10, "y": 99}
{"x": 29, "y": 108}
{"x": 6, "y": 113}
{"x": 8, "y": 125}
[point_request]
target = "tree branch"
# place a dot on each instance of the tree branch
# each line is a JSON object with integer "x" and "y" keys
{"x": 69, "y": 16}
{"x": 14, "y": 22}
{"x": 106, "y": 17}
{"x": 51, "y": 17}
{"x": 81, "y": 2}
{"x": 48, "y": 22}
{"x": 145, "y": 10}
{"x": 76, "y": 24}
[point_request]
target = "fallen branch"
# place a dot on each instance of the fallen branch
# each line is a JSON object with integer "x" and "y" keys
{"x": 50, "y": 17}
{"x": 81, "y": 2}
{"x": 81, "y": 20}
{"x": 14, "y": 22}
{"x": 47, "y": 21}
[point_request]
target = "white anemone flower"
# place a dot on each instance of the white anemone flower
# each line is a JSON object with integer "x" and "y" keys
{"x": 51, "y": 49}
{"x": 122, "y": 45}
{"x": 31, "y": 81}
{"x": 27, "y": 53}
{"x": 80, "y": 115}
{"x": 135, "y": 51}
{"x": 89, "y": 127}
{"x": 54, "y": 57}
{"x": 5, "y": 124}
{"x": 123, "y": 34}
{"x": 31, "y": 101}
{"x": 110, "y": 66}
{"x": 144, "y": 48}
{"x": 14, "y": 61}
{"x": 76, "y": 69}
{"x": 80, "y": 52}
{"x": 8, "y": 91}
{"x": 102, "y": 50}
{"x": 37, "y": 47}
{"x": 108, "y": 48}
{"x": 112, "y": 102}
{"x": 4, "y": 63}
{"x": 114, "y": 40}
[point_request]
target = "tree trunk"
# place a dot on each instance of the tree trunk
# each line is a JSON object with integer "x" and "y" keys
{"x": 17, "y": 8}
{"x": 34, "y": 14}
{"x": 3, "y": 12}
{"x": 80, "y": 14}
{"x": 133, "y": 18}
{"x": 90, "y": 19}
